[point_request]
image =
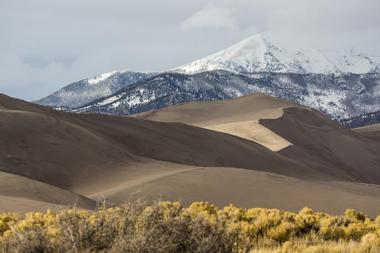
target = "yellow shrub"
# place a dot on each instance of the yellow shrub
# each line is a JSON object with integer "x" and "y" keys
{"x": 6, "y": 220}
{"x": 282, "y": 232}
{"x": 168, "y": 227}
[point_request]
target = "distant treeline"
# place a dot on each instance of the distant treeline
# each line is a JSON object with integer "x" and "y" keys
{"x": 362, "y": 120}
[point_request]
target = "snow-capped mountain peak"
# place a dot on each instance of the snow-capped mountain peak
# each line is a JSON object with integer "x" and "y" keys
{"x": 259, "y": 54}
{"x": 254, "y": 47}
{"x": 254, "y": 54}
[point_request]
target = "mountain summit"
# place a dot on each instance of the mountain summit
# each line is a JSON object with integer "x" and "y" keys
{"x": 259, "y": 54}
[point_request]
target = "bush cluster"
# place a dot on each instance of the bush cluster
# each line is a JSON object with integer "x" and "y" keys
{"x": 199, "y": 228}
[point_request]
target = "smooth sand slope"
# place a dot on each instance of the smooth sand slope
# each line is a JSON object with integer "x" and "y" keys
{"x": 366, "y": 129}
{"x": 371, "y": 134}
{"x": 248, "y": 188}
{"x": 10, "y": 204}
{"x": 275, "y": 154}
{"x": 16, "y": 190}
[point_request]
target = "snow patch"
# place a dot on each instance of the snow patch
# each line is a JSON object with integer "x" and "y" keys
{"x": 100, "y": 77}
{"x": 329, "y": 101}
{"x": 140, "y": 98}
{"x": 109, "y": 100}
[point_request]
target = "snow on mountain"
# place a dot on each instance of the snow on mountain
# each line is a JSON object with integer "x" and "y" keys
{"x": 87, "y": 90}
{"x": 340, "y": 85}
{"x": 337, "y": 95}
{"x": 100, "y": 77}
{"x": 258, "y": 54}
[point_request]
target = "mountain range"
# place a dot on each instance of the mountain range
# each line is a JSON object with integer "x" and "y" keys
{"x": 342, "y": 86}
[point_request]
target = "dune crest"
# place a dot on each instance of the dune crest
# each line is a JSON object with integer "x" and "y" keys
{"x": 254, "y": 131}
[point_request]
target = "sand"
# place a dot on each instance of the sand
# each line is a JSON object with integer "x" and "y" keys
{"x": 239, "y": 117}
{"x": 254, "y": 151}
{"x": 25, "y": 194}
{"x": 370, "y": 128}
{"x": 247, "y": 188}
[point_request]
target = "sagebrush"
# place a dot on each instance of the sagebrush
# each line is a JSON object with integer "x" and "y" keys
{"x": 200, "y": 228}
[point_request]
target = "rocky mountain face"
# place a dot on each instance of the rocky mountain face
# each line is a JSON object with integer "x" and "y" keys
{"x": 342, "y": 86}
{"x": 338, "y": 95}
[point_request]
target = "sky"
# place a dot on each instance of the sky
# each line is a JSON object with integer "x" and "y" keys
{"x": 45, "y": 44}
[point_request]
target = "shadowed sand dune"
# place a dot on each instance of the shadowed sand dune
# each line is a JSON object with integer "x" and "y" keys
{"x": 15, "y": 190}
{"x": 251, "y": 151}
{"x": 313, "y": 140}
{"x": 320, "y": 143}
{"x": 70, "y": 150}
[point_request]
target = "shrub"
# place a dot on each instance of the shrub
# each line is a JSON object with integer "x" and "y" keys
{"x": 200, "y": 228}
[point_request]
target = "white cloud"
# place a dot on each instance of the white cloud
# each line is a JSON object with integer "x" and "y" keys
{"x": 211, "y": 16}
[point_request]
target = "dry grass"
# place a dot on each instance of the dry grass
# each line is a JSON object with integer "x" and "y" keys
{"x": 201, "y": 227}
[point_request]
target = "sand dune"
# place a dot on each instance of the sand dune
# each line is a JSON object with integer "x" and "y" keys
{"x": 15, "y": 190}
{"x": 239, "y": 117}
{"x": 320, "y": 143}
{"x": 162, "y": 170}
{"x": 370, "y": 128}
{"x": 10, "y": 204}
{"x": 53, "y": 150}
{"x": 298, "y": 133}
{"x": 247, "y": 188}
{"x": 251, "y": 151}
{"x": 71, "y": 150}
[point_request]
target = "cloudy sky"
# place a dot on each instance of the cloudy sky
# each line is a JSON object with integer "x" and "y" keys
{"x": 46, "y": 44}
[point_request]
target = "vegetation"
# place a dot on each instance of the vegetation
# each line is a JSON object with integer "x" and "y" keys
{"x": 201, "y": 227}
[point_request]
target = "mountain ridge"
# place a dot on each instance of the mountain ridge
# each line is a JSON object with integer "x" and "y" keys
{"x": 252, "y": 65}
{"x": 89, "y": 89}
